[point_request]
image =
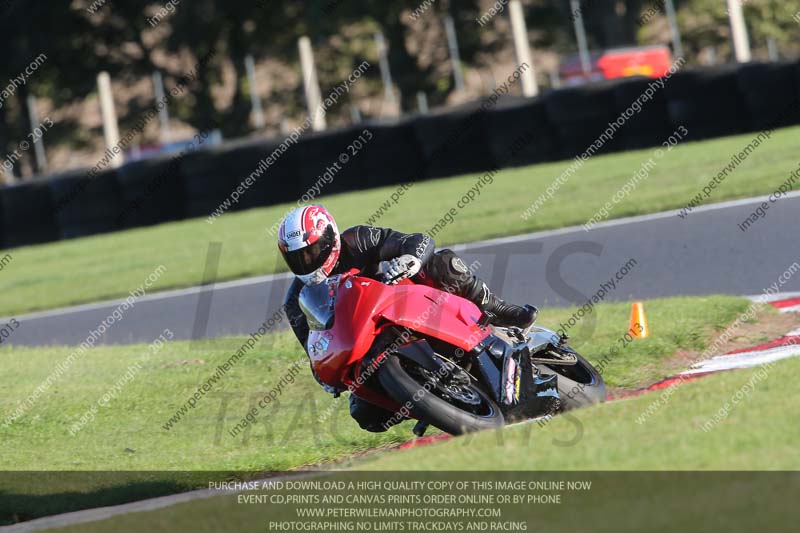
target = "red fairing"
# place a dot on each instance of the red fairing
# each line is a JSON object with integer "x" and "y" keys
{"x": 364, "y": 307}
{"x": 436, "y": 313}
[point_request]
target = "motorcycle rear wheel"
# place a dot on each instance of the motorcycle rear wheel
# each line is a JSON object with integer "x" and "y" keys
{"x": 404, "y": 381}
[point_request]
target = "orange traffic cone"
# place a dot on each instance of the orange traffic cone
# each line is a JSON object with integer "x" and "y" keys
{"x": 638, "y": 323}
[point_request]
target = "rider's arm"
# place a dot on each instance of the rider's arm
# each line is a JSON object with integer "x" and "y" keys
{"x": 295, "y": 315}
{"x": 381, "y": 244}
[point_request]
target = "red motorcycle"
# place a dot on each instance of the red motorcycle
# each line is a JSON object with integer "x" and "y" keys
{"x": 427, "y": 354}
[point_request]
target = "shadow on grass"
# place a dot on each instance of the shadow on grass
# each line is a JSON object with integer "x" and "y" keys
{"x": 29, "y": 495}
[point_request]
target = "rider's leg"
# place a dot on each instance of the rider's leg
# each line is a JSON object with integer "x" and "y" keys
{"x": 445, "y": 269}
{"x": 371, "y": 417}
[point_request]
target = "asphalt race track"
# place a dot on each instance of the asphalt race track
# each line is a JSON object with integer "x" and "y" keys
{"x": 705, "y": 253}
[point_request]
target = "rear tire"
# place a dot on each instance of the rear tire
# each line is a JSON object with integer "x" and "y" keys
{"x": 429, "y": 407}
{"x": 579, "y": 385}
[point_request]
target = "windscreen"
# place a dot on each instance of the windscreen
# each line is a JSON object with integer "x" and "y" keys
{"x": 318, "y": 301}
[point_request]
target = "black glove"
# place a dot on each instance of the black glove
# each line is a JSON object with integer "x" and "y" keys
{"x": 329, "y": 389}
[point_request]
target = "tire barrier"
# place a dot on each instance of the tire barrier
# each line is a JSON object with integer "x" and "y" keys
{"x": 205, "y": 183}
{"x": 330, "y": 162}
{"x": 262, "y": 171}
{"x": 272, "y": 177}
{"x": 648, "y": 127}
{"x": 392, "y": 156}
{"x": 707, "y": 102}
{"x": 513, "y": 131}
{"x": 28, "y": 215}
{"x": 580, "y": 115}
{"x": 454, "y": 142}
{"x": 152, "y": 192}
{"x": 85, "y": 205}
{"x": 771, "y": 93}
{"x": 520, "y": 133}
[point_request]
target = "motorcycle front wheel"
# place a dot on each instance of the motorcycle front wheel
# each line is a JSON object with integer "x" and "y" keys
{"x": 448, "y": 400}
{"x": 579, "y": 385}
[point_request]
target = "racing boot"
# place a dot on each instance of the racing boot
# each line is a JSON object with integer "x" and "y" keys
{"x": 509, "y": 315}
{"x": 503, "y": 313}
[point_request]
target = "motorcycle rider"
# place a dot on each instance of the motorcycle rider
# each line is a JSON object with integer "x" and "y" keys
{"x": 312, "y": 247}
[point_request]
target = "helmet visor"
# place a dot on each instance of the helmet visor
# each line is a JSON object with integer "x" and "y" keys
{"x": 309, "y": 258}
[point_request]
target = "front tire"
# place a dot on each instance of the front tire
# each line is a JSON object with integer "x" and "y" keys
{"x": 579, "y": 385}
{"x": 468, "y": 409}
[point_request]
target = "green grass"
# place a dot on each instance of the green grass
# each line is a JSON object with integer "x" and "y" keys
{"x": 105, "y": 266}
{"x": 127, "y": 435}
{"x": 755, "y": 436}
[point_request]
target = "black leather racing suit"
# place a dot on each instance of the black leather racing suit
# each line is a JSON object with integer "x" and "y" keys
{"x": 363, "y": 247}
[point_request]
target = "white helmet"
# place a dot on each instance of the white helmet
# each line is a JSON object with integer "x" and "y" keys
{"x": 310, "y": 243}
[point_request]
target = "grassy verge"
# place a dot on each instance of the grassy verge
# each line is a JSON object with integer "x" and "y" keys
{"x": 304, "y": 427}
{"x": 127, "y": 432}
{"x": 755, "y": 436}
{"x": 105, "y": 266}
